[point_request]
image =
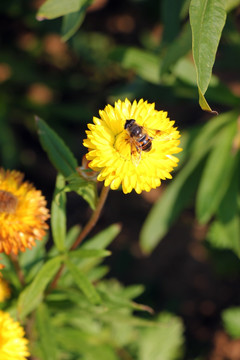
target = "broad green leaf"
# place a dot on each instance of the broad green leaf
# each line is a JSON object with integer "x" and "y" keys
{"x": 58, "y": 214}
{"x": 231, "y": 4}
{"x": 86, "y": 189}
{"x": 224, "y": 231}
{"x": 181, "y": 189}
{"x": 88, "y": 253}
{"x": 217, "y": 174}
{"x": 58, "y": 153}
{"x": 72, "y": 22}
{"x": 52, "y": 9}
{"x": 46, "y": 333}
{"x": 207, "y": 19}
{"x": 144, "y": 63}
{"x": 32, "y": 295}
{"x": 163, "y": 342}
{"x": 83, "y": 283}
{"x": 231, "y": 321}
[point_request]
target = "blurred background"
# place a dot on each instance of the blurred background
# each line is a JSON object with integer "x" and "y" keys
{"x": 134, "y": 49}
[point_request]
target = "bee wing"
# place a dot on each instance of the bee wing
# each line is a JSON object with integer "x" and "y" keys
{"x": 136, "y": 152}
{"x": 158, "y": 135}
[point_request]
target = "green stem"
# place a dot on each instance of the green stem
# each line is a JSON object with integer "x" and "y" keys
{"x": 86, "y": 230}
{"x": 18, "y": 269}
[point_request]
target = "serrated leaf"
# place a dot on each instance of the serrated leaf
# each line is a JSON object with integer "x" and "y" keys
{"x": 163, "y": 342}
{"x": 83, "y": 283}
{"x": 207, "y": 19}
{"x": 46, "y": 334}
{"x": 58, "y": 153}
{"x": 231, "y": 321}
{"x": 180, "y": 190}
{"x": 32, "y": 295}
{"x": 86, "y": 189}
{"x": 52, "y": 9}
{"x": 217, "y": 174}
{"x": 58, "y": 214}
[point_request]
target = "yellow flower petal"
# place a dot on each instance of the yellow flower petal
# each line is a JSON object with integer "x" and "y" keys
{"x": 13, "y": 345}
{"x": 121, "y": 159}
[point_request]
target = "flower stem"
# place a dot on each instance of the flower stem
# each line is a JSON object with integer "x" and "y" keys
{"x": 88, "y": 227}
{"x": 18, "y": 269}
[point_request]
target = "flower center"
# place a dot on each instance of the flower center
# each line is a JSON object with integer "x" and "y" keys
{"x": 122, "y": 145}
{"x": 8, "y": 202}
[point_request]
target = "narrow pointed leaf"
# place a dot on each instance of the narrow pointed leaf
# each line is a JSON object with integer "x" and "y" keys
{"x": 52, "y": 9}
{"x": 58, "y": 215}
{"x": 207, "y": 19}
{"x": 217, "y": 174}
{"x": 83, "y": 283}
{"x": 32, "y": 295}
{"x": 58, "y": 153}
{"x": 46, "y": 334}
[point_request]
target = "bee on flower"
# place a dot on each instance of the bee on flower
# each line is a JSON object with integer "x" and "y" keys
{"x": 132, "y": 145}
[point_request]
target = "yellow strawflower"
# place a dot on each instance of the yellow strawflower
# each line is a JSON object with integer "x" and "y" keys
{"x": 23, "y": 213}
{"x": 13, "y": 345}
{"x": 122, "y": 158}
{"x": 4, "y": 290}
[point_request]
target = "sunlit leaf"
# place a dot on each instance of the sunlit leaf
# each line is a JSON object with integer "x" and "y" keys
{"x": 165, "y": 341}
{"x": 72, "y": 22}
{"x": 52, "y": 9}
{"x": 207, "y": 19}
{"x": 231, "y": 321}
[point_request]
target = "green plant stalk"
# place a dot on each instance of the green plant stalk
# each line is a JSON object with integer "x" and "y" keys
{"x": 86, "y": 230}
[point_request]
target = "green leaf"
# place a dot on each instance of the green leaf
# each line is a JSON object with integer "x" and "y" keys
{"x": 88, "y": 253}
{"x": 224, "y": 232}
{"x": 217, "y": 174}
{"x": 178, "y": 48}
{"x": 32, "y": 295}
{"x": 83, "y": 283}
{"x": 231, "y": 4}
{"x": 58, "y": 153}
{"x": 165, "y": 341}
{"x": 207, "y": 19}
{"x": 72, "y": 22}
{"x": 58, "y": 215}
{"x": 180, "y": 190}
{"x": 46, "y": 333}
{"x": 103, "y": 238}
{"x": 52, "y": 9}
{"x": 144, "y": 63}
{"x": 231, "y": 321}
{"x": 86, "y": 189}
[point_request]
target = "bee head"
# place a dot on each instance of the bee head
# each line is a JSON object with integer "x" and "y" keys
{"x": 129, "y": 123}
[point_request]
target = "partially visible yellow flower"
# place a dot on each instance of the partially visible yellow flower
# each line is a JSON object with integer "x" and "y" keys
{"x": 23, "y": 213}
{"x": 5, "y": 291}
{"x": 13, "y": 345}
{"x": 111, "y": 147}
